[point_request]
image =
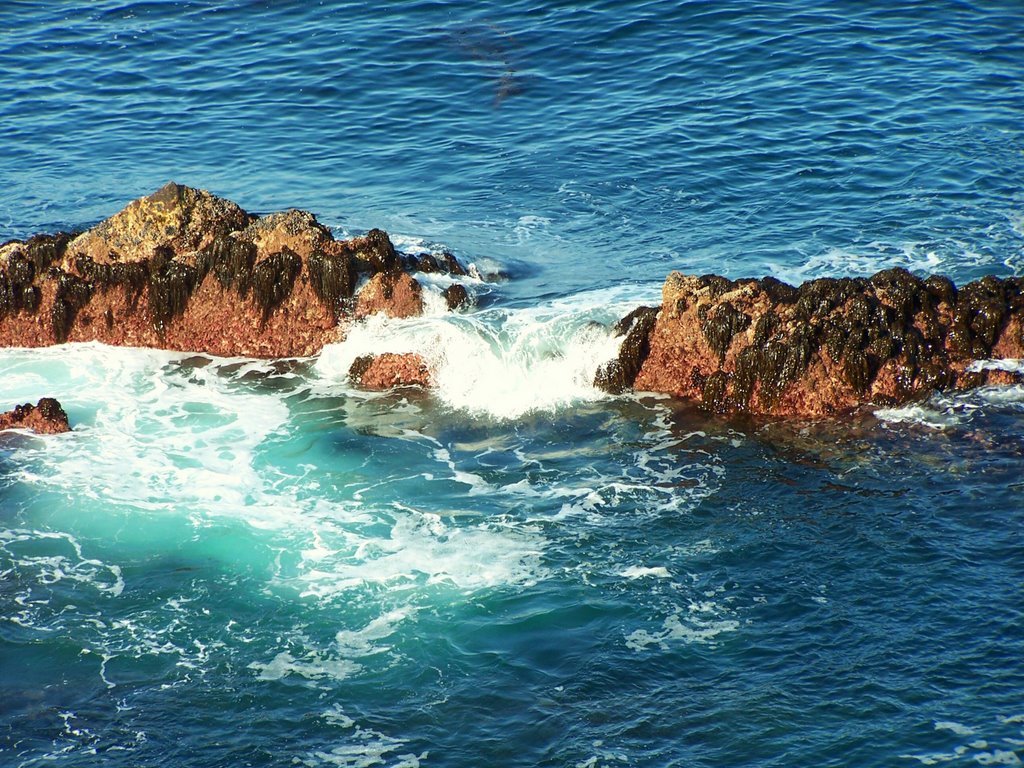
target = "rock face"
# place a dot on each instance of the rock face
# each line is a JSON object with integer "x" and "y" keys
{"x": 394, "y": 294}
{"x": 389, "y": 370}
{"x": 618, "y": 375}
{"x": 183, "y": 269}
{"x": 46, "y": 418}
{"x": 764, "y": 347}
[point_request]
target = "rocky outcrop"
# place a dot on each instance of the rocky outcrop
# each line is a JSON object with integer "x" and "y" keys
{"x": 394, "y": 294}
{"x": 47, "y": 417}
{"x": 389, "y": 370}
{"x": 829, "y": 346}
{"x": 183, "y": 269}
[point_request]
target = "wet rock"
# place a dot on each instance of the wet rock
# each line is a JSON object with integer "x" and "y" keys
{"x": 456, "y": 296}
{"x": 395, "y": 295}
{"x": 375, "y": 253}
{"x": 389, "y": 370}
{"x": 428, "y": 263}
{"x": 617, "y": 375}
{"x": 185, "y": 269}
{"x": 47, "y": 417}
{"x": 828, "y": 346}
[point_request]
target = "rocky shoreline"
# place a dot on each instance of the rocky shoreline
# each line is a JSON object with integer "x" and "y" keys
{"x": 185, "y": 270}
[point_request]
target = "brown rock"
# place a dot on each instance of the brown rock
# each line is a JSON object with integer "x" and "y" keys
{"x": 389, "y": 370}
{"x": 293, "y": 230}
{"x": 45, "y": 418}
{"x": 456, "y": 296}
{"x": 184, "y": 269}
{"x": 395, "y": 294}
{"x": 179, "y": 218}
{"x": 829, "y": 346}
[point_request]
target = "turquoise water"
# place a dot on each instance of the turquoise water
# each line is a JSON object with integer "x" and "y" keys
{"x": 238, "y": 562}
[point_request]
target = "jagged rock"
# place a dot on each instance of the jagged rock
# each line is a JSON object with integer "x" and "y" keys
{"x": 46, "y": 418}
{"x": 617, "y": 375}
{"x": 395, "y": 294}
{"x": 763, "y": 347}
{"x": 375, "y": 253}
{"x": 455, "y": 296}
{"x": 388, "y": 370}
{"x": 293, "y": 230}
{"x": 184, "y": 269}
{"x": 180, "y": 218}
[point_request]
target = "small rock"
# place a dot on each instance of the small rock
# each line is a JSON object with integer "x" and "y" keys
{"x": 46, "y": 418}
{"x": 456, "y": 296}
{"x": 390, "y": 369}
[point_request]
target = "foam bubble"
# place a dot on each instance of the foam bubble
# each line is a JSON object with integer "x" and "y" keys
{"x": 920, "y": 414}
{"x": 640, "y": 572}
{"x": 499, "y": 363}
{"x": 363, "y": 747}
{"x": 700, "y": 622}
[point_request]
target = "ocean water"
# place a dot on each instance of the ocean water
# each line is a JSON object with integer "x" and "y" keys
{"x": 234, "y": 562}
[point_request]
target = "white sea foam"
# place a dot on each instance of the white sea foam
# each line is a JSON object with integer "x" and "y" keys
{"x": 422, "y": 549}
{"x": 64, "y": 561}
{"x": 640, "y": 572}
{"x": 701, "y": 621}
{"x": 499, "y": 363}
{"x": 865, "y": 259}
{"x": 953, "y": 727}
{"x": 1009, "y": 364}
{"x": 363, "y": 747}
{"x": 921, "y": 414}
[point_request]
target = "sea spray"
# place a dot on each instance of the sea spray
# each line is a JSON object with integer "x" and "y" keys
{"x": 499, "y": 363}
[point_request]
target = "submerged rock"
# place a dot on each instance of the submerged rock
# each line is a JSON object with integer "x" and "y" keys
{"x": 184, "y": 269}
{"x": 390, "y": 369}
{"x": 47, "y": 417}
{"x": 829, "y": 346}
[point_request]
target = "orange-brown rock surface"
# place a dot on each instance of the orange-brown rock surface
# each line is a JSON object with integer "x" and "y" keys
{"x": 829, "y": 346}
{"x": 183, "y": 269}
{"x": 46, "y": 418}
{"x": 390, "y": 369}
{"x": 394, "y": 294}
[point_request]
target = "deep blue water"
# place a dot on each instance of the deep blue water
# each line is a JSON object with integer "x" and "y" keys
{"x": 235, "y": 562}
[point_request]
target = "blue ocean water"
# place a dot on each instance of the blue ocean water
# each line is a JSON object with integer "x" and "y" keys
{"x": 239, "y": 562}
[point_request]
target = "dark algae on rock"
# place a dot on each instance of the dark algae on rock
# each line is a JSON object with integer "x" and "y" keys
{"x": 829, "y": 345}
{"x": 184, "y": 269}
{"x": 617, "y": 375}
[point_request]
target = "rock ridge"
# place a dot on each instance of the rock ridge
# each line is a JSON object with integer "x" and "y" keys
{"x": 186, "y": 270}
{"x": 826, "y": 347}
